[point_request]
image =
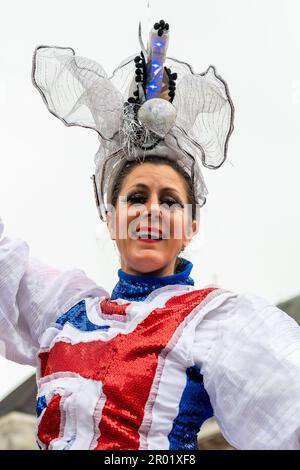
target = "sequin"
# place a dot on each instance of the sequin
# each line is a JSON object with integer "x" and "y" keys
{"x": 40, "y": 405}
{"x": 138, "y": 287}
{"x": 126, "y": 366}
{"x": 112, "y": 308}
{"x": 49, "y": 426}
{"x": 77, "y": 317}
{"x": 194, "y": 409}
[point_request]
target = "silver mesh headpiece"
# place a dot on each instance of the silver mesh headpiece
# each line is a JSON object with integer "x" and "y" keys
{"x": 151, "y": 105}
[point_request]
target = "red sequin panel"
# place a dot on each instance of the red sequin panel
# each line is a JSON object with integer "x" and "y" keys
{"x": 126, "y": 365}
{"x": 49, "y": 426}
{"x": 109, "y": 307}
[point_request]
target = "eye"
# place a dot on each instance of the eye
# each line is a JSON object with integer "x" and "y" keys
{"x": 137, "y": 198}
{"x": 172, "y": 204}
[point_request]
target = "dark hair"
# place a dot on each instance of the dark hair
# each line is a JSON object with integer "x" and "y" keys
{"x": 130, "y": 165}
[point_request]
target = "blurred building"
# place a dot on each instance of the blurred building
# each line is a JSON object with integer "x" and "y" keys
{"x": 17, "y": 410}
{"x": 17, "y": 417}
{"x": 292, "y": 307}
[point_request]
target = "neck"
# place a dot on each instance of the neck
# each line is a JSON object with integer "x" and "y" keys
{"x": 136, "y": 287}
{"x": 164, "y": 271}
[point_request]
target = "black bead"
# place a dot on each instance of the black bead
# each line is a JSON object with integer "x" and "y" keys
{"x": 131, "y": 100}
{"x": 162, "y": 23}
{"x": 173, "y": 76}
{"x": 136, "y": 93}
{"x": 172, "y": 87}
{"x": 156, "y": 26}
{"x": 138, "y": 78}
{"x": 172, "y": 94}
{"x": 139, "y": 65}
{"x": 167, "y": 26}
{"x": 160, "y": 32}
{"x": 172, "y": 83}
{"x": 137, "y": 59}
{"x": 138, "y": 72}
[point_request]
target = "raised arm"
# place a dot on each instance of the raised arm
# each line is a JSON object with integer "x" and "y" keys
{"x": 32, "y": 295}
{"x": 249, "y": 354}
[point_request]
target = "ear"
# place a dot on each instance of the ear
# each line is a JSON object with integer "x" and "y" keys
{"x": 195, "y": 226}
{"x": 194, "y": 229}
{"x": 111, "y": 225}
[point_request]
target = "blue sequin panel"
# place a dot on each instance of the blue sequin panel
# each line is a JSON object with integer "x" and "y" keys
{"x": 78, "y": 318}
{"x": 40, "y": 405}
{"x": 194, "y": 409}
{"x": 138, "y": 287}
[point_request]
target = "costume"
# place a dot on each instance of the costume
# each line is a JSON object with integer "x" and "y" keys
{"x": 137, "y": 358}
{"x": 118, "y": 373}
{"x": 145, "y": 367}
{"x": 151, "y": 105}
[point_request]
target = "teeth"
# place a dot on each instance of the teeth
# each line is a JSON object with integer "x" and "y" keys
{"x": 148, "y": 235}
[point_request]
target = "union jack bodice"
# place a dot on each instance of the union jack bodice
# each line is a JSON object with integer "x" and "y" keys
{"x": 142, "y": 368}
{"x": 119, "y": 374}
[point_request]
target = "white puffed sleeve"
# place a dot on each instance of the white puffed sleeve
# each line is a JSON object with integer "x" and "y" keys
{"x": 32, "y": 295}
{"x": 249, "y": 354}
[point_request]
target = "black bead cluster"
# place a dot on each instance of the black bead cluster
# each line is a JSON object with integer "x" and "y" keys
{"x": 140, "y": 68}
{"x": 161, "y": 27}
{"x": 172, "y": 83}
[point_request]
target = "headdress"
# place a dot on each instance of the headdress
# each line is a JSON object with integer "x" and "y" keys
{"x": 151, "y": 105}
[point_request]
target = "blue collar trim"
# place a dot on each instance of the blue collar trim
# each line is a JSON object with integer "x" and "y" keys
{"x": 138, "y": 287}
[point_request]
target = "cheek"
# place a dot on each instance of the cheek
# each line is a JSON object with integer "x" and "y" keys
{"x": 127, "y": 221}
{"x": 176, "y": 222}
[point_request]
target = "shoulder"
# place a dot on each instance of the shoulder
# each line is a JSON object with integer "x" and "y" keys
{"x": 243, "y": 308}
{"x": 238, "y": 326}
{"x": 253, "y": 318}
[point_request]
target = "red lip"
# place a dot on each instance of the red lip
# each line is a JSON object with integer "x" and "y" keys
{"x": 149, "y": 240}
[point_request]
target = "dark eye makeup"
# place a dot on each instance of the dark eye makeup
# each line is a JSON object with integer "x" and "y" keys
{"x": 140, "y": 198}
{"x": 136, "y": 198}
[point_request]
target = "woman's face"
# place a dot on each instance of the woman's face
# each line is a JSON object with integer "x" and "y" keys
{"x": 151, "y": 221}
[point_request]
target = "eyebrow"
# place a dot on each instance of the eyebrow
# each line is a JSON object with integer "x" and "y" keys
{"x": 144, "y": 186}
{"x": 138, "y": 185}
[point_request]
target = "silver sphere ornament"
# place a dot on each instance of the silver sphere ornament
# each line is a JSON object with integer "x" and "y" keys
{"x": 158, "y": 116}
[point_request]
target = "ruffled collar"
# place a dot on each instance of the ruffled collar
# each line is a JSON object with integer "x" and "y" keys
{"x": 138, "y": 287}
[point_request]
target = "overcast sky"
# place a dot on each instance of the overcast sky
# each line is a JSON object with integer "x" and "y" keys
{"x": 250, "y": 230}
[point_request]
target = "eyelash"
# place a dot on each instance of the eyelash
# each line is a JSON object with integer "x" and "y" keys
{"x": 136, "y": 198}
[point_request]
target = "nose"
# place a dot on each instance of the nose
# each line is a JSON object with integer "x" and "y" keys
{"x": 152, "y": 208}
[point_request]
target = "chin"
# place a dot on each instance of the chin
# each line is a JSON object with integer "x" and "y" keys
{"x": 146, "y": 261}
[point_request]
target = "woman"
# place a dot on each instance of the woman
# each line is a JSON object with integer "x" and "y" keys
{"x": 145, "y": 367}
